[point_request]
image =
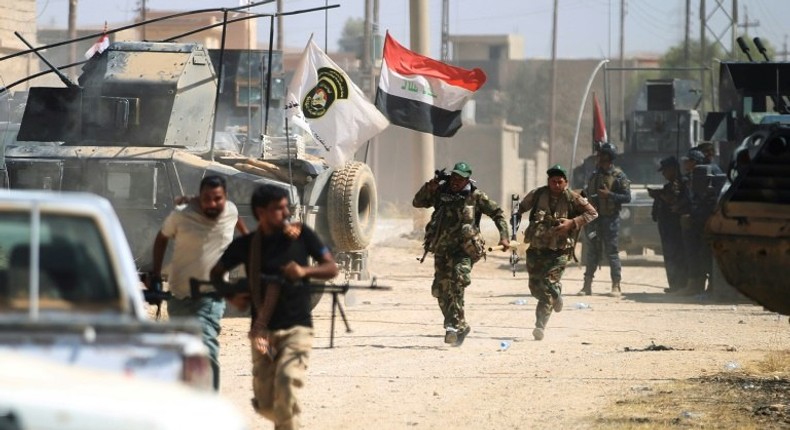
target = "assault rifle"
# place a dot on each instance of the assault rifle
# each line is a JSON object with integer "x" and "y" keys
{"x": 200, "y": 288}
{"x": 515, "y": 220}
{"x": 441, "y": 177}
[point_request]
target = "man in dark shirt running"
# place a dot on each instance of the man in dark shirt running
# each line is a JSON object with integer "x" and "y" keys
{"x": 282, "y": 326}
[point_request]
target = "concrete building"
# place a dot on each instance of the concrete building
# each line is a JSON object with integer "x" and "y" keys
{"x": 240, "y": 34}
{"x": 17, "y": 15}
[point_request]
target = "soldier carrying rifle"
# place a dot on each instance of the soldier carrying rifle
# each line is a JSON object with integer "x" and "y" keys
{"x": 453, "y": 235}
{"x": 556, "y": 215}
{"x": 282, "y": 326}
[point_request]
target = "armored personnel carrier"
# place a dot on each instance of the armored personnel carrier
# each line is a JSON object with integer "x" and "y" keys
{"x": 137, "y": 129}
{"x": 750, "y": 230}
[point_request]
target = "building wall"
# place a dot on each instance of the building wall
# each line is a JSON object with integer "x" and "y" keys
{"x": 240, "y": 35}
{"x": 491, "y": 150}
{"x": 16, "y": 15}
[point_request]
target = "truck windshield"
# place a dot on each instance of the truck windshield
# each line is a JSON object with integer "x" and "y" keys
{"x": 74, "y": 268}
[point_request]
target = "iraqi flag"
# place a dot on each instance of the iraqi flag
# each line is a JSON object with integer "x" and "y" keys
{"x": 423, "y": 94}
{"x": 101, "y": 45}
{"x": 326, "y": 104}
{"x": 599, "y": 127}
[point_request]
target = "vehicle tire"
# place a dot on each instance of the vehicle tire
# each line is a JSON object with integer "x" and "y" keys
{"x": 352, "y": 207}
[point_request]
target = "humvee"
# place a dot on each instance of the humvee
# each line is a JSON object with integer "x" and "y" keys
{"x": 137, "y": 129}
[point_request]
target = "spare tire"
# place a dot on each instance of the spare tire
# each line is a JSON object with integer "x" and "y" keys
{"x": 352, "y": 206}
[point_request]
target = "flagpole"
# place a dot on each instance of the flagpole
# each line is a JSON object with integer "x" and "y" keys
{"x": 288, "y": 154}
{"x": 579, "y": 118}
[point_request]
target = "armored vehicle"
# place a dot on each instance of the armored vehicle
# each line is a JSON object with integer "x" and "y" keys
{"x": 750, "y": 230}
{"x": 137, "y": 129}
{"x": 664, "y": 122}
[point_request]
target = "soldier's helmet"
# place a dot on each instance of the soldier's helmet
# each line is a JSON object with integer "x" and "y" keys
{"x": 609, "y": 149}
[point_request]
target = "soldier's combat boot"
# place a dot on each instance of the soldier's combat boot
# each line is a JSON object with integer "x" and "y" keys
{"x": 557, "y": 303}
{"x": 615, "y": 289}
{"x": 451, "y": 336}
{"x": 462, "y": 335}
{"x": 587, "y": 288}
{"x": 540, "y": 323}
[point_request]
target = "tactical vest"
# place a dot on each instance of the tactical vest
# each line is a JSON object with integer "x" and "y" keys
{"x": 455, "y": 224}
{"x": 544, "y": 216}
{"x": 605, "y": 207}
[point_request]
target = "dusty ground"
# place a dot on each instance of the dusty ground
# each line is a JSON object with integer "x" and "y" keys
{"x": 394, "y": 371}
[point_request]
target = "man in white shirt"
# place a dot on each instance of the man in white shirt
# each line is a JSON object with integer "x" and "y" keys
{"x": 201, "y": 229}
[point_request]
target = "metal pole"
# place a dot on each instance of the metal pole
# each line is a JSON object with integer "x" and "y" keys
{"x": 142, "y": 18}
{"x": 687, "y": 37}
{"x": 280, "y": 20}
{"x": 424, "y": 162}
{"x": 553, "y": 78}
{"x": 219, "y": 83}
{"x": 268, "y": 83}
{"x": 703, "y": 16}
{"x": 579, "y": 118}
{"x": 73, "y": 33}
{"x": 622, "y": 58}
{"x": 367, "y": 34}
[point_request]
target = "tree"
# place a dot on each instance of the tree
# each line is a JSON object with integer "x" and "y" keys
{"x": 351, "y": 38}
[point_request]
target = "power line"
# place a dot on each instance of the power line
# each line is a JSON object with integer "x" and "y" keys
{"x": 746, "y": 23}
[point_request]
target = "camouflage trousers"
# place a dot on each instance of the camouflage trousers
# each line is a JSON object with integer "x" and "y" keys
{"x": 275, "y": 382}
{"x": 450, "y": 277}
{"x": 545, "y": 268}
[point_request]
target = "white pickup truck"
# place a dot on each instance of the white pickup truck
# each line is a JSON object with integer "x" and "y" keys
{"x": 69, "y": 292}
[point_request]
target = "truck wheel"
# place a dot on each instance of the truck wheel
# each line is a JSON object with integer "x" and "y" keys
{"x": 352, "y": 206}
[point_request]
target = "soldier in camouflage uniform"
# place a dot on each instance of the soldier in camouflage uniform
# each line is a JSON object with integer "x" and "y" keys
{"x": 556, "y": 215}
{"x": 608, "y": 188}
{"x": 453, "y": 235}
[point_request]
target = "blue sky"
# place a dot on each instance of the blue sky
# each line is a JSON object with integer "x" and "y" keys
{"x": 587, "y": 28}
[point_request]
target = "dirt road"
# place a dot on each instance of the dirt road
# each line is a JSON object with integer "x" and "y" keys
{"x": 394, "y": 371}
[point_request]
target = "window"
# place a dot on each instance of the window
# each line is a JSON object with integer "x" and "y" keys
{"x": 74, "y": 267}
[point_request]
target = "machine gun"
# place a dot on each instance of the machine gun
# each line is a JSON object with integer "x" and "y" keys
{"x": 201, "y": 288}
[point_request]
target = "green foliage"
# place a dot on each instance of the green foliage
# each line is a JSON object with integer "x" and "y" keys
{"x": 526, "y": 100}
{"x": 351, "y": 38}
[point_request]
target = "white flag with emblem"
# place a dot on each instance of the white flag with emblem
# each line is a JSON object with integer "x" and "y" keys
{"x": 324, "y": 102}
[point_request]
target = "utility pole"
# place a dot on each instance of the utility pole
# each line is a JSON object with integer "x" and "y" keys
{"x": 553, "y": 99}
{"x": 784, "y": 49}
{"x": 703, "y": 25}
{"x": 622, "y": 57}
{"x": 746, "y": 23}
{"x": 367, "y": 35}
{"x": 280, "y": 21}
{"x": 143, "y": 17}
{"x": 445, "y": 31}
{"x": 73, "y": 33}
{"x": 688, "y": 31}
{"x": 424, "y": 163}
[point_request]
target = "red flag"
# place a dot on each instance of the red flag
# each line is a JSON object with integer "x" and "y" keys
{"x": 599, "y": 126}
{"x": 102, "y": 43}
